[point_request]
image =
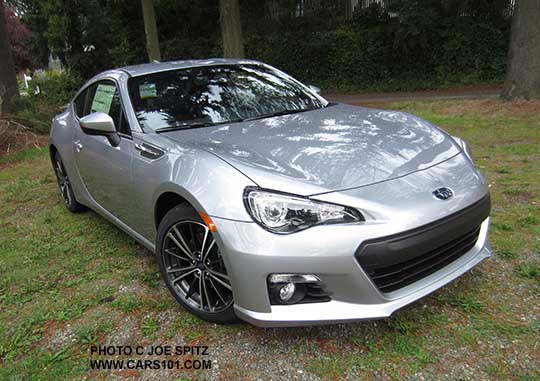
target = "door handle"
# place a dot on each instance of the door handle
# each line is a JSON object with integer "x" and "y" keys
{"x": 78, "y": 145}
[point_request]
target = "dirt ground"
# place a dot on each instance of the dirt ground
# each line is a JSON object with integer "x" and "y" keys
{"x": 463, "y": 92}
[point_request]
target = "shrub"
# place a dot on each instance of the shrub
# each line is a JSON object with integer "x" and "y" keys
{"x": 55, "y": 87}
{"x": 49, "y": 91}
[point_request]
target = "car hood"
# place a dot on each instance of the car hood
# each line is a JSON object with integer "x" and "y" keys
{"x": 334, "y": 148}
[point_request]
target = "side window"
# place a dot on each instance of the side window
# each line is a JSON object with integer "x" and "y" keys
{"x": 117, "y": 115}
{"x": 90, "y": 91}
{"x": 104, "y": 97}
{"x": 80, "y": 102}
{"x": 123, "y": 127}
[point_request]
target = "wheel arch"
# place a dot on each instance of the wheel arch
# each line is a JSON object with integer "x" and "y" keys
{"x": 52, "y": 151}
{"x": 165, "y": 202}
{"x": 170, "y": 196}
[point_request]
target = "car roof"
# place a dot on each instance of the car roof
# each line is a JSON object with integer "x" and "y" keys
{"x": 156, "y": 67}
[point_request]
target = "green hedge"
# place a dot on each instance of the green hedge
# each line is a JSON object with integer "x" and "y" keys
{"x": 348, "y": 59}
{"x": 474, "y": 52}
{"x": 339, "y": 59}
{"x": 385, "y": 55}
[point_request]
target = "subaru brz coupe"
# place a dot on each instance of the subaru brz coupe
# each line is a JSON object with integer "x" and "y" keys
{"x": 264, "y": 201}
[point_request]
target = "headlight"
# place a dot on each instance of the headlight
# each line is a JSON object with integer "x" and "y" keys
{"x": 282, "y": 213}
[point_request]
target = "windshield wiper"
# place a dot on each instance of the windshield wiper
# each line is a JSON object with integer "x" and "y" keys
{"x": 278, "y": 113}
{"x": 188, "y": 126}
{"x": 208, "y": 124}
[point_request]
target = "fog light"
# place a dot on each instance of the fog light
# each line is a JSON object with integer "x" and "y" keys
{"x": 296, "y": 288}
{"x": 286, "y": 292}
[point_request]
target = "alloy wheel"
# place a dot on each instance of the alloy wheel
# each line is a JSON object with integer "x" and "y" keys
{"x": 63, "y": 181}
{"x": 195, "y": 267}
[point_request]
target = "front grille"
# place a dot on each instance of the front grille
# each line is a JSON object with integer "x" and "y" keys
{"x": 394, "y": 277}
{"x": 395, "y": 261}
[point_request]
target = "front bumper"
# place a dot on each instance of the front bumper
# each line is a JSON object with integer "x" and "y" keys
{"x": 251, "y": 254}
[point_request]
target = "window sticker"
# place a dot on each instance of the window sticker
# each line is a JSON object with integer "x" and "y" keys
{"x": 147, "y": 90}
{"x": 103, "y": 98}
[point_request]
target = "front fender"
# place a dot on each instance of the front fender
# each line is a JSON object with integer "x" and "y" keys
{"x": 208, "y": 183}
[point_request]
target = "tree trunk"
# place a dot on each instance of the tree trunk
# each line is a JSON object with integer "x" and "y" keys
{"x": 150, "y": 29}
{"x": 523, "y": 73}
{"x": 348, "y": 7}
{"x": 231, "y": 29}
{"x": 9, "y": 88}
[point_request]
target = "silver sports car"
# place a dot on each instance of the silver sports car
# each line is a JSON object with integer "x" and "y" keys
{"x": 266, "y": 202}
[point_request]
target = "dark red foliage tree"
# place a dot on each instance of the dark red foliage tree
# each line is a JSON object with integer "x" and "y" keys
{"x": 19, "y": 36}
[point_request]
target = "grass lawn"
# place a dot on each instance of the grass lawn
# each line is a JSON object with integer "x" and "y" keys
{"x": 69, "y": 281}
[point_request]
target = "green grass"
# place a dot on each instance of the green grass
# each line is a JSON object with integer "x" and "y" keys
{"x": 149, "y": 326}
{"x": 71, "y": 281}
{"x": 526, "y": 222}
{"x": 127, "y": 303}
{"x": 530, "y": 270}
{"x": 26, "y": 154}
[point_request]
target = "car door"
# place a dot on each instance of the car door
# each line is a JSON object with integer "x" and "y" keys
{"x": 105, "y": 169}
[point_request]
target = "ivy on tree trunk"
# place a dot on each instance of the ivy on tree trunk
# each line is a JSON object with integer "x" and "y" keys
{"x": 150, "y": 29}
{"x": 8, "y": 79}
{"x": 523, "y": 73}
{"x": 231, "y": 29}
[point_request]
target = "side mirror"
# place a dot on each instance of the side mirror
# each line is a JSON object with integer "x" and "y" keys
{"x": 99, "y": 123}
{"x": 315, "y": 89}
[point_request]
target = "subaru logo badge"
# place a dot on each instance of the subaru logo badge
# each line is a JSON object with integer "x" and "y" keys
{"x": 443, "y": 193}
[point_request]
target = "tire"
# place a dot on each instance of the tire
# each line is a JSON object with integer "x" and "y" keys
{"x": 64, "y": 185}
{"x": 191, "y": 265}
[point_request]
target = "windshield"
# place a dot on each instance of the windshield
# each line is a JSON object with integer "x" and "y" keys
{"x": 201, "y": 96}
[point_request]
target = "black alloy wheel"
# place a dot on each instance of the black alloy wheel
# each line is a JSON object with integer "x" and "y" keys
{"x": 193, "y": 267}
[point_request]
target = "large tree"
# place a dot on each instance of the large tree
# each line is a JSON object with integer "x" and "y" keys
{"x": 8, "y": 80}
{"x": 523, "y": 73}
{"x": 150, "y": 28}
{"x": 231, "y": 29}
